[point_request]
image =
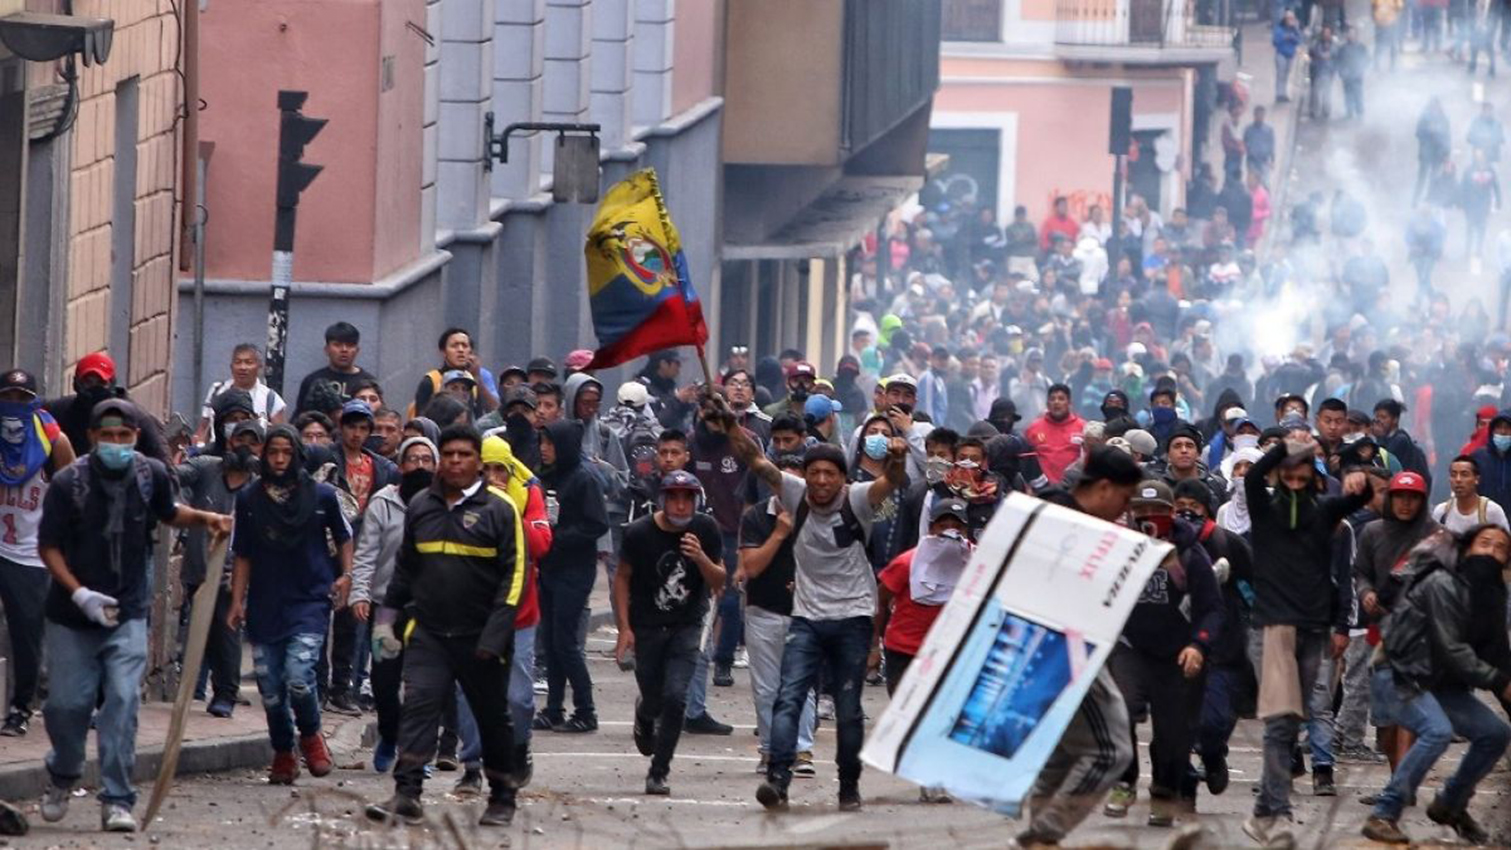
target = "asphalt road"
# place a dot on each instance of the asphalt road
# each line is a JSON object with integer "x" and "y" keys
{"x": 587, "y": 793}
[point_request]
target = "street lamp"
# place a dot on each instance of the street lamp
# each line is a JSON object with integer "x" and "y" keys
{"x": 574, "y": 174}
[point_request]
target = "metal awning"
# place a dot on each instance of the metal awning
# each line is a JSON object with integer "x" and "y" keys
{"x": 834, "y": 223}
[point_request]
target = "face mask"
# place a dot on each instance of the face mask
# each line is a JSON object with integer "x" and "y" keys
{"x": 413, "y": 481}
{"x": 876, "y": 446}
{"x": 240, "y": 459}
{"x": 518, "y": 421}
{"x": 1111, "y": 413}
{"x": 227, "y": 430}
{"x": 14, "y": 416}
{"x": 679, "y": 522}
{"x": 93, "y": 396}
{"x": 1246, "y": 441}
{"x": 1502, "y": 442}
{"x": 1163, "y": 415}
{"x": 1157, "y": 526}
{"x": 115, "y": 455}
{"x": 936, "y": 468}
{"x": 798, "y": 393}
{"x": 1192, "y": 517}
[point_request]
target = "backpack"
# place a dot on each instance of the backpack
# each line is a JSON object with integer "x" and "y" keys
{"x": 435, "y": 387}
{"x": 1440, "y": 513}
{"x": 78, "y": 491}
{"x": 640, "y": 456}
{"x": 848, "y": 520}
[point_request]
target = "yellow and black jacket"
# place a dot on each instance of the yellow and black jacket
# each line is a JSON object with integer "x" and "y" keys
{"x": 458, "y": 571}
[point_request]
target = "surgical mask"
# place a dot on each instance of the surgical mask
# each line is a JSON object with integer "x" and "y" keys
{"x": 936, "y": 468}
{"x": 1502, "y": 442}
{"x": 1246, "y": 441}
{"x": 876, "y": 446}
{"x": 115, "y": 456}
{"x": 227, "y": 430}
{"x": 679, "y": 522}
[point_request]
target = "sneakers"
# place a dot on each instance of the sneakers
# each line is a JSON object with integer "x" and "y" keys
{"x": 470, "y": 785}
{"x": 343, "y": 704}
{"x": 849, "y": 797}
{"x": 1384, "y": 831}
{"x": 772, "y": 796}
{"x": 316, "y": 757}
{"x": 540, "y": 687}
{"x": 1217, "y": 775}
{"x": 221, "y": 707}
{"x": 1269, "y": 830}
{"x": 577, "y": 724}
{"x": 1298, "y": 762}
{"x": 447, "y": 762}
{"x": 802, "y": 765}
{"x": 546, "y": 722}
{"x": 825, "y": 707}
{"x": 1322, "y": 782}
{"x": 742, "y": 659}
{"x": 1162, "y": 811}
{"x": 384, "y": 756}
{"x": 723, "y": 676}
{"x": 1358, "y": 753}
{"x": 55, "y": 802}
{"x": 1119, "y": 800}
{"x": 703, "y": 724}
{"x": 656, "y": 785}
{"x": 500, "y": 812}
{"x": 524, "y": 766}
{"x": 644, "y": 732}
{"x": 285, "y": 768}
{"x": 934, "y": 795}
{"x": 15, "y": 723}
{"x": 1461, "y": 822}
{"x": 116, "y": 817}
{"x": 396, "y": 808}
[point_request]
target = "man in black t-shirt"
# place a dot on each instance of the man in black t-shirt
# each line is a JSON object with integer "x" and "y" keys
{"x": 767, "y": 571}
{"x": 343, "y": 342}
{"x": 667, "y": 564}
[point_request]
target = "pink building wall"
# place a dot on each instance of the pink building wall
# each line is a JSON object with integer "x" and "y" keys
{"x": 695, "y": 43}
{"x": 1059, "y": 146}
{"x": 359, "y": 218}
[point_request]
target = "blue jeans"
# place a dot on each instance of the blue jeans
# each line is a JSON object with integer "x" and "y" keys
{"x": 81, "y": 664}
{"x": 1218, "y": 717}
{"x": 286, "y": 679}
{"x": 1320, "y": 725}
{"x": 728, "y": 631}
{"x": 1434, "y": 717}
{"x": 811, "y": 644}
{"x": 521, "y": 702}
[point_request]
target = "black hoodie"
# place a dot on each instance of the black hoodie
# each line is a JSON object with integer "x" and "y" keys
{"x": 582, "y": 517}
{"x": 1384, "y": 545}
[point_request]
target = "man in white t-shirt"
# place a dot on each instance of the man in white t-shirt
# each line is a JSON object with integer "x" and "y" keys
{"x": 833, "y": 586}
{"x": 246, "y": 374}
{"x": 1467, "y": 508}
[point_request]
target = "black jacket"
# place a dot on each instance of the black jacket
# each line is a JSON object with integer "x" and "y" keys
{"x": 1431, "y": 639}
{"x": 582, "y": 515}
{"x": 1230, "y": 647}
{"x": 1293, "y": 578}
{"x": 457, "y": 571}
{"x": 1156, "y": 625}
{"x": 1383, "y": 547}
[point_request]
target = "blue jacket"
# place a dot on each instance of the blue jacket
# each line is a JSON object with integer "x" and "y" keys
{"x": 1286, "y": 40}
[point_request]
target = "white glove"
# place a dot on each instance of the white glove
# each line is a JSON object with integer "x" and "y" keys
{"x": 1221, "y": 570}
{"x": 386, "y": 645}
{"x": 98, "y": 607}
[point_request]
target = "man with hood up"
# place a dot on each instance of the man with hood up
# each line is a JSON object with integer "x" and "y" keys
{"x": 567, "y": 574}
{"x": 1494, "y": 460}
{"x": 672, "y": 405}
{"x": 602, "y": 455}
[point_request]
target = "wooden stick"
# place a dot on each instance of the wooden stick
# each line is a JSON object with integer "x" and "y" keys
{"x": 708, "y": 375}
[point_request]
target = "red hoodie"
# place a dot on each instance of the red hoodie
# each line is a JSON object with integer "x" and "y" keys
{"x": 1481, "y": 436}
{"x": 1058, "y": 444}
{"x": 537, "y": 528}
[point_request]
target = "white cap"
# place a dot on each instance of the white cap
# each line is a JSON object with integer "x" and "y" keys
{"x": 634, "y": 394}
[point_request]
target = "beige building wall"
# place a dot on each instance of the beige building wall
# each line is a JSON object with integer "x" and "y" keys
{"x": 144, "y": 51}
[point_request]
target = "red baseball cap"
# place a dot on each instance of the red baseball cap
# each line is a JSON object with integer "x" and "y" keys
{"x": 801, "y": 368}
{"x": 1408, "y": 482}
{"x": 98, "y": 364}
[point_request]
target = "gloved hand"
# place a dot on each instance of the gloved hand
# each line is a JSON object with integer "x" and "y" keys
{"x": 1221, "y": 570}
{"x": 386, "y": 645}
{"x": 98, "y": 607}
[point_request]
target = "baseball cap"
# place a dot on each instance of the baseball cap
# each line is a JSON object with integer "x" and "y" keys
{"x": 901, "y": 379}
{"x": 948, "y": 507}
{"x": 1408, "y": 482}
{"x": 98, "y": 364}
{"x": 1234, "y": 414}
{"x": 1142, "y": 441}
{"x": 118, "y": 408}
{"x": 801, "y": 368}
{"x": 1102, "y": 363}
{"x": 512, "y": 370}
{"x": 1153, "y": 492}
{"x": 18, "y": 379}
{"x": 633, "y": 393}
{"x": 520, "y": 395}
{"x": 680, "y": 479}
{"x": 542, "y": 364}
{"x": 821, "y": 407}
{"x": 356, "y": 408}
{"x": 249, "y": 426}
{"x": 458, "y": 375}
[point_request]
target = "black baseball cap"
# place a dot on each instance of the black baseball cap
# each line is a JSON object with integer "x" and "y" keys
{"x": 118, "y": 408}
{"x": 520, "y": 395}
{"x": 18, "y": 379}
{"x": 948, "y": 507}
{"x": 542, "y": 364}
{"x": 680, "y": 479}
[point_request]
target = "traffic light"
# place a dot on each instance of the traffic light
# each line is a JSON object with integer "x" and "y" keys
{"x": 294, "y": 132}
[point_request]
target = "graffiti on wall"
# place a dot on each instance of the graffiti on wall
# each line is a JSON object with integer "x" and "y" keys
{"x": 1080, "y": 201}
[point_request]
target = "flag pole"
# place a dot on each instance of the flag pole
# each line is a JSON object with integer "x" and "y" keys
{"x": 708, "y": 375}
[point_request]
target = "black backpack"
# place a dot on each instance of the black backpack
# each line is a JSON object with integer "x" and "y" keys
{"x": 850, "y": 524}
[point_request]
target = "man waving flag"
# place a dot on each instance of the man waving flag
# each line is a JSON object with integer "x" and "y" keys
{"x": 638, "y": 286}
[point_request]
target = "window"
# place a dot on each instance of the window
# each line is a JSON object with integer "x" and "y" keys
{"x": 972, "y": 20}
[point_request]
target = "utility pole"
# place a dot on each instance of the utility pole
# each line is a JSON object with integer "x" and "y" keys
{"x": 294, "y": 176}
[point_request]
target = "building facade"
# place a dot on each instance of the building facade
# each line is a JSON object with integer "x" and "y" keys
{"x": 89, "y": 182}
{"x": 1025, "y": 97}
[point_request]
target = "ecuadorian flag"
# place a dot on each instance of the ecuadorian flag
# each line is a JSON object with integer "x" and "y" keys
{"x": 638, "y": 287}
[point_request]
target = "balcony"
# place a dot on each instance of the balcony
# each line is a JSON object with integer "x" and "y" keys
{"x": 1144, "y": 32}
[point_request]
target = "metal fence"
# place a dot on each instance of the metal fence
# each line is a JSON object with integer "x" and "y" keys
{"x": 1145, "y": 23}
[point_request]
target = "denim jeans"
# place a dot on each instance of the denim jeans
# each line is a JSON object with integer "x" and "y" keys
{"x": 81, "y": 664}
{"x": 1433, "y": 717}
{"x": 1353, "y": 711}
{"x": 664, "y": 661}
{"x": 1281, "y": 731}
{"x": 562, "y": 598}
{"x": 842, "y": 645}
{"x": 286, "y": 679}
{"x": 1321, "y": 726}
{"x": 765, "y": 633}
{"x": 521, "y": 702}
{"x": 728, "y": 630}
